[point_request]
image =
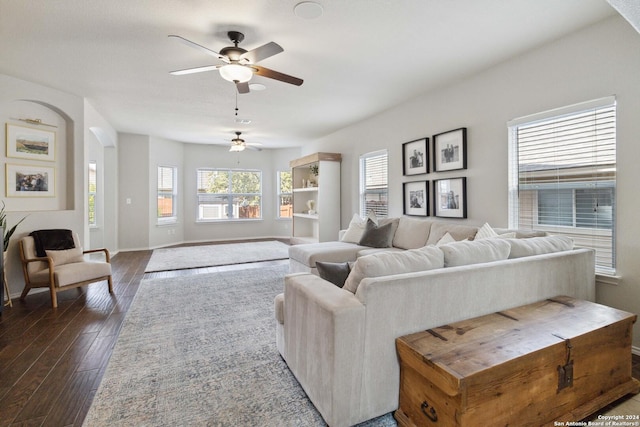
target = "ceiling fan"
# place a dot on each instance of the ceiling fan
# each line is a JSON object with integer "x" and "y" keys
{"x": 239, "y": 144}
{"x": 239, "y": 64}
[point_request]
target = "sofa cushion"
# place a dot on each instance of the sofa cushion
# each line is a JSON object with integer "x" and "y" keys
{"x": 445, "y": 239}
{"x": 378, "y": 236}
{"x": 394, "y": 262}
{"x": 539, "y": 245}
{"x": 334, "y": 272}
{"x": 307, "y": 254}
{"x": 487, "y": 232}
{"x": 475, "y": 252}
{"x": 458, "y": 232}
{"x": 412, "y": 233}
{"x": 521, "y": 234}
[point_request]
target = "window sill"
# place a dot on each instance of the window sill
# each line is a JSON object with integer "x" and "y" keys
{"x": 222, "y": 221}
{"x": 167, "y": 223}
{"x": 608, "y": 279}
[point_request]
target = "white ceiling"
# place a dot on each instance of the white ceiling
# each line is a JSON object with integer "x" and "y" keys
{"x": 359, "y": 58}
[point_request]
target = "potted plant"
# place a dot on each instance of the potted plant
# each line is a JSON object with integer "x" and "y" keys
{"x": 8, "y": 232}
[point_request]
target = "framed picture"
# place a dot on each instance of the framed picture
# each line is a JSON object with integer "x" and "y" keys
{"x": 450, "y": 150}
{"x": 30, "y": 181}
{"x": 30, "y": 143}
{"x": 416, "y": 198}
{"x": 450, "y": 197}
{"x": 415, "y": 155}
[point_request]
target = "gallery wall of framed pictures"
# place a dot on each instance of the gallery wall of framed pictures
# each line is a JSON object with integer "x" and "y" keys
{"x": 448, "y": 153}
{"x": 32, "y": 174}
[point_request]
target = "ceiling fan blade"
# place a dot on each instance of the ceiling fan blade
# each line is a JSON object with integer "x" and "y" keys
{"x": 242, "y": 87}
{"x": 266, "y": 72}
{"x": 195, "y": 70}
{"x": 262, "y": 52}
{"x": 200, "y": 48}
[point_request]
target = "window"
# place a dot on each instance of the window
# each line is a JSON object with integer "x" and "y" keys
{"x": 93, "y": 187}
{"x": 226, "y": 194}
{"x": 562, "y": 172}
{"x": 167, "y": 194}
{"x": 374, "y": 184}
{"x": 285, "y": 203}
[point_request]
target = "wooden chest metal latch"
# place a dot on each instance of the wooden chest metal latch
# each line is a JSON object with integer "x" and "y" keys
{"x": 565, "y": 372}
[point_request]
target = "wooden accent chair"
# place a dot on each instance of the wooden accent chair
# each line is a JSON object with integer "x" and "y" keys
{"x": 61, "y": 269}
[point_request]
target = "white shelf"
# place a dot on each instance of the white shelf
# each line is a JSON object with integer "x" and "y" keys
{"x": 304, "y": 215}
{"x": 323, "y": 197}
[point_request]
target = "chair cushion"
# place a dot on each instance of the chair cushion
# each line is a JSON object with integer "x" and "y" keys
{"x": 69, "y": 274}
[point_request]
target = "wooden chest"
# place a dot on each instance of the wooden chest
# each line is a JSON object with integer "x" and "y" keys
{"x": 556, "y": 360}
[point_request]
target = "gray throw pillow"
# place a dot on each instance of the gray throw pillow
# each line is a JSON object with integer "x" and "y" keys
{"x": 334, "y": 272}
{"x": 377, "y": 236}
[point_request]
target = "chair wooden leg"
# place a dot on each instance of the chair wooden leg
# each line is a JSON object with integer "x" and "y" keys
{"x": 6, "y": 289}
{"x": 110, "y": 285}
{"x": 24, "y": 293}
{"x": 54, "y": 296}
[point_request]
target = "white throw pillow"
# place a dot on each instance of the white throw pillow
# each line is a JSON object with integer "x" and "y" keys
{"x": 447, "y": 238}
{"x": 357, "y": 226}
{"x": 475, "y": 252}
{"x": 539, "y": 245}
{"x": 389, "y": 263}
{"x": 66, "y": 256}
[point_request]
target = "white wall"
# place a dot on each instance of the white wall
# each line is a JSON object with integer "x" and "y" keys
{"x": 598, "y": 61}
{"x": 163, "y": 152}
{"x": 133, "y": 191}
{"x": 21, "y": 99}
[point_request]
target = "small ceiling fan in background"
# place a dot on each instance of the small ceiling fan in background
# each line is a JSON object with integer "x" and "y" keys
{"x": 239, "y": 64}
{"x": 239, "y": 144}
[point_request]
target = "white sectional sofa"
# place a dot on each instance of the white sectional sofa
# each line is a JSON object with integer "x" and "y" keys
{"x": 340, "y": 344}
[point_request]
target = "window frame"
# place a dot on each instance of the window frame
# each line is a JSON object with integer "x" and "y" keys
{"x": 162, "y": 193}
{"x": 382, "y": 192}
{"x": 529, "y": 177}
{"x": 284, "y": 194}
{"x": 92, "y": 194}
{"x": 230, "y": 195}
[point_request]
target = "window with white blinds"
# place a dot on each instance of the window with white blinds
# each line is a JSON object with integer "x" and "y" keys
{"x": 167, "y": 194}
{"x": 562, "y": 168}
{"x": 374, "y": 188}
{"x": 93, "y": 191}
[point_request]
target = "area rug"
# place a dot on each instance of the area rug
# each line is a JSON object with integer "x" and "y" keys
{"x": 200, "y": 351}
{"x": 215, "y": 255}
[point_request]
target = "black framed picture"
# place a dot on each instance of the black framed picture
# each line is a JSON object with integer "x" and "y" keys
{"x": 450, "y": 197}
{"x": 450, "y": 150}
{"x": 416, "y": 198}
{"x": 415, "y": 157}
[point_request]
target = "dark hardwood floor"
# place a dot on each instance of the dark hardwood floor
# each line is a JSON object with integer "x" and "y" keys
{"x": 52, "y": 361}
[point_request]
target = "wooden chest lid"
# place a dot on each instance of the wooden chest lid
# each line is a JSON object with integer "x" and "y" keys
{"x": 471, "y": 346}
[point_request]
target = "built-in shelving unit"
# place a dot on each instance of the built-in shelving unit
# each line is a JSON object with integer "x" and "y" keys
{"x": 316, "y": 197}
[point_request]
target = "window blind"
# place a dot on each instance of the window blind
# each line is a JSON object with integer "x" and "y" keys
{"x": 374, "y": 185}
{"x": 563, "y": 176}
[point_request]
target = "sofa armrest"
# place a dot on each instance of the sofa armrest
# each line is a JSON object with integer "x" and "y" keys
{"x": 324, "y": 332}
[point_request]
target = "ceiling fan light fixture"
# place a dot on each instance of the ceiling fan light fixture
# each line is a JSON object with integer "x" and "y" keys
{"x": 238, "y": 147}
{"x": 236, "y": 73}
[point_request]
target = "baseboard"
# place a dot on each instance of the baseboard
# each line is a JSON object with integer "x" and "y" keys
{"x": 635, "y": 350}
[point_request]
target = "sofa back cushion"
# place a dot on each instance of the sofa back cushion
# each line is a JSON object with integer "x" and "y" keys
{"x": 396, "y": 262}
{"x": 412, "y": 233}
{"x": 475, "y": 252}
{"x": 539, "y": 245}
{"x": 458, "y": 232}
